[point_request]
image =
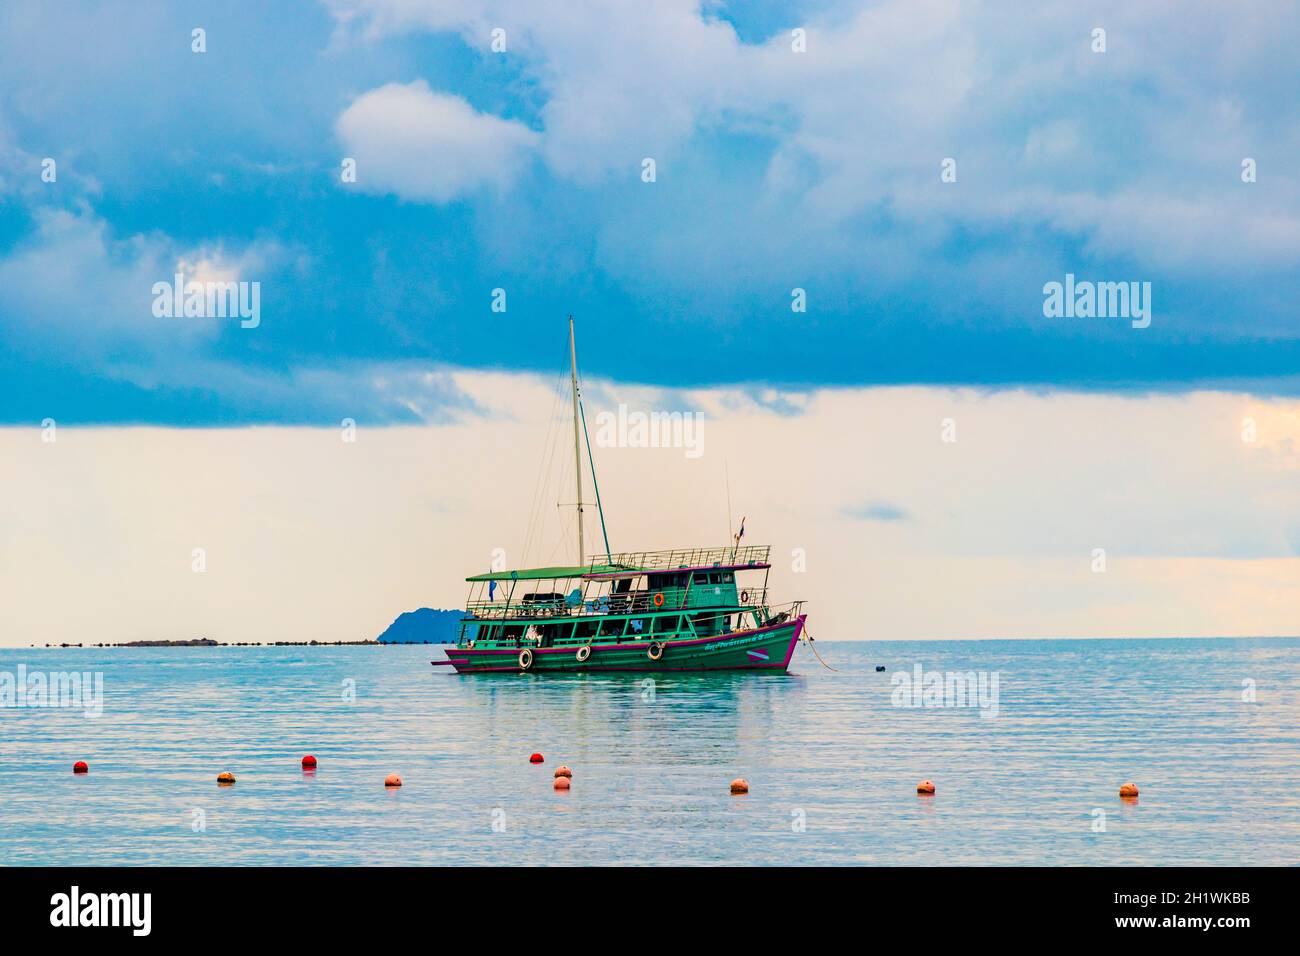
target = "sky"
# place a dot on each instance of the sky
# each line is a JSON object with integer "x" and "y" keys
{"x": 797, "y": 219}
{"x": 886, "y": 530}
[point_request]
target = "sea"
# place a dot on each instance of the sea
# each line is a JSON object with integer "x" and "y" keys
{"x": 1026, "y": 743}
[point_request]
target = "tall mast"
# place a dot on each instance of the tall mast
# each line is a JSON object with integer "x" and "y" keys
{"x": 577, "y": 456}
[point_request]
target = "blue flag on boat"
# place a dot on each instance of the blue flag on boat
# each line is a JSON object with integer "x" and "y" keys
{"x": 492, "y": 590}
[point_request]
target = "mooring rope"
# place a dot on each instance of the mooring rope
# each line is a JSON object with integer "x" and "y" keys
{"x": 808, "y": 639}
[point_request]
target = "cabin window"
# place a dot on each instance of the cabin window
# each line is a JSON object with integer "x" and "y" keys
{"x": 611, "y": 627}
{"x": 728, "y": 577}
{"x": 586, "y": 630}
{"x": 708, "y": 624}
{"x": 552, "y": 633}
{"x": 667, "y": 623}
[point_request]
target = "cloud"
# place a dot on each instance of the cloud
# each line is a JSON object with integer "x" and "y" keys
{"x": 622, "y": 82}
{"x": 429, "y": 146}
{"x": 876, "y": 511}
{"x": 777, "y": 169}
{"x": 75, "y": 286}
{"x": 327, "y": 539}
{"x": 1041, "y": 127}
{"x": 78, "y": 297}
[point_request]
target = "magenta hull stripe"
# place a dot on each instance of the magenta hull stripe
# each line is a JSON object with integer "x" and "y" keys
{"x": 479, "y": 652}
{"x": 633, "y": 670}
{"x": 794, "y": 638}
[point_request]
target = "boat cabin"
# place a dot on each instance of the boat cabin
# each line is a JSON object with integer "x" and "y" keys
{"x": 619, "y": 598}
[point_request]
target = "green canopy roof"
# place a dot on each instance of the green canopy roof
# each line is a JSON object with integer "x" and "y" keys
{"x": 537, "y": 574}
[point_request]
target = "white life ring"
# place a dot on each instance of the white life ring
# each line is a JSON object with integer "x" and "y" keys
{"x": 584, "y": 652}
{"x": 525, "y": 659}
{"x": 655, "y": 652}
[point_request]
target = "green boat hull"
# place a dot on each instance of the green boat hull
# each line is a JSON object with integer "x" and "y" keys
{"x": 766, "y": 648}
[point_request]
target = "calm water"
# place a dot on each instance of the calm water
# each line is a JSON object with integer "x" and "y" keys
{"x": 1219, "y": 776}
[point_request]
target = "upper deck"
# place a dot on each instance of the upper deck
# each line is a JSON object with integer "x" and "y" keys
{"x": 685, "y": 579}
{"x": 623, "y": 563}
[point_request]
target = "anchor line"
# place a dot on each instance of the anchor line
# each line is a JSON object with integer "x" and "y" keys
{"x": 808, "y": 639}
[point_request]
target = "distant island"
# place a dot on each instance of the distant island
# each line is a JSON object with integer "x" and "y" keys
{"x": 423, "y": 626}
{"x": 197, "y": 642}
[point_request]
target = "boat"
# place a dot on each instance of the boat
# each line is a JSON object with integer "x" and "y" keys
{"x": 695, "y": 609}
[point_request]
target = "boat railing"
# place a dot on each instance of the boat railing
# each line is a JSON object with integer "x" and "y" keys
{"x": 632, "y": 602}
{"x": 484, "y": 610}
{"x": 756, "y": 554}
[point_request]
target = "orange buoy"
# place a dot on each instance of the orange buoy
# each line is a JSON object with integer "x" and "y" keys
{"x": 1128, "y": 790}
{"x": 925, "y": 787}
{"x": 740, "y": 785}
{"x": 536, "y": 758}
{"x": 562, "y": 783}
{"x": 309, "y": 762}
{"x": 563, "y": 771}
{"x": 226, "y": 778}
{"x": 392, "y": 780}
